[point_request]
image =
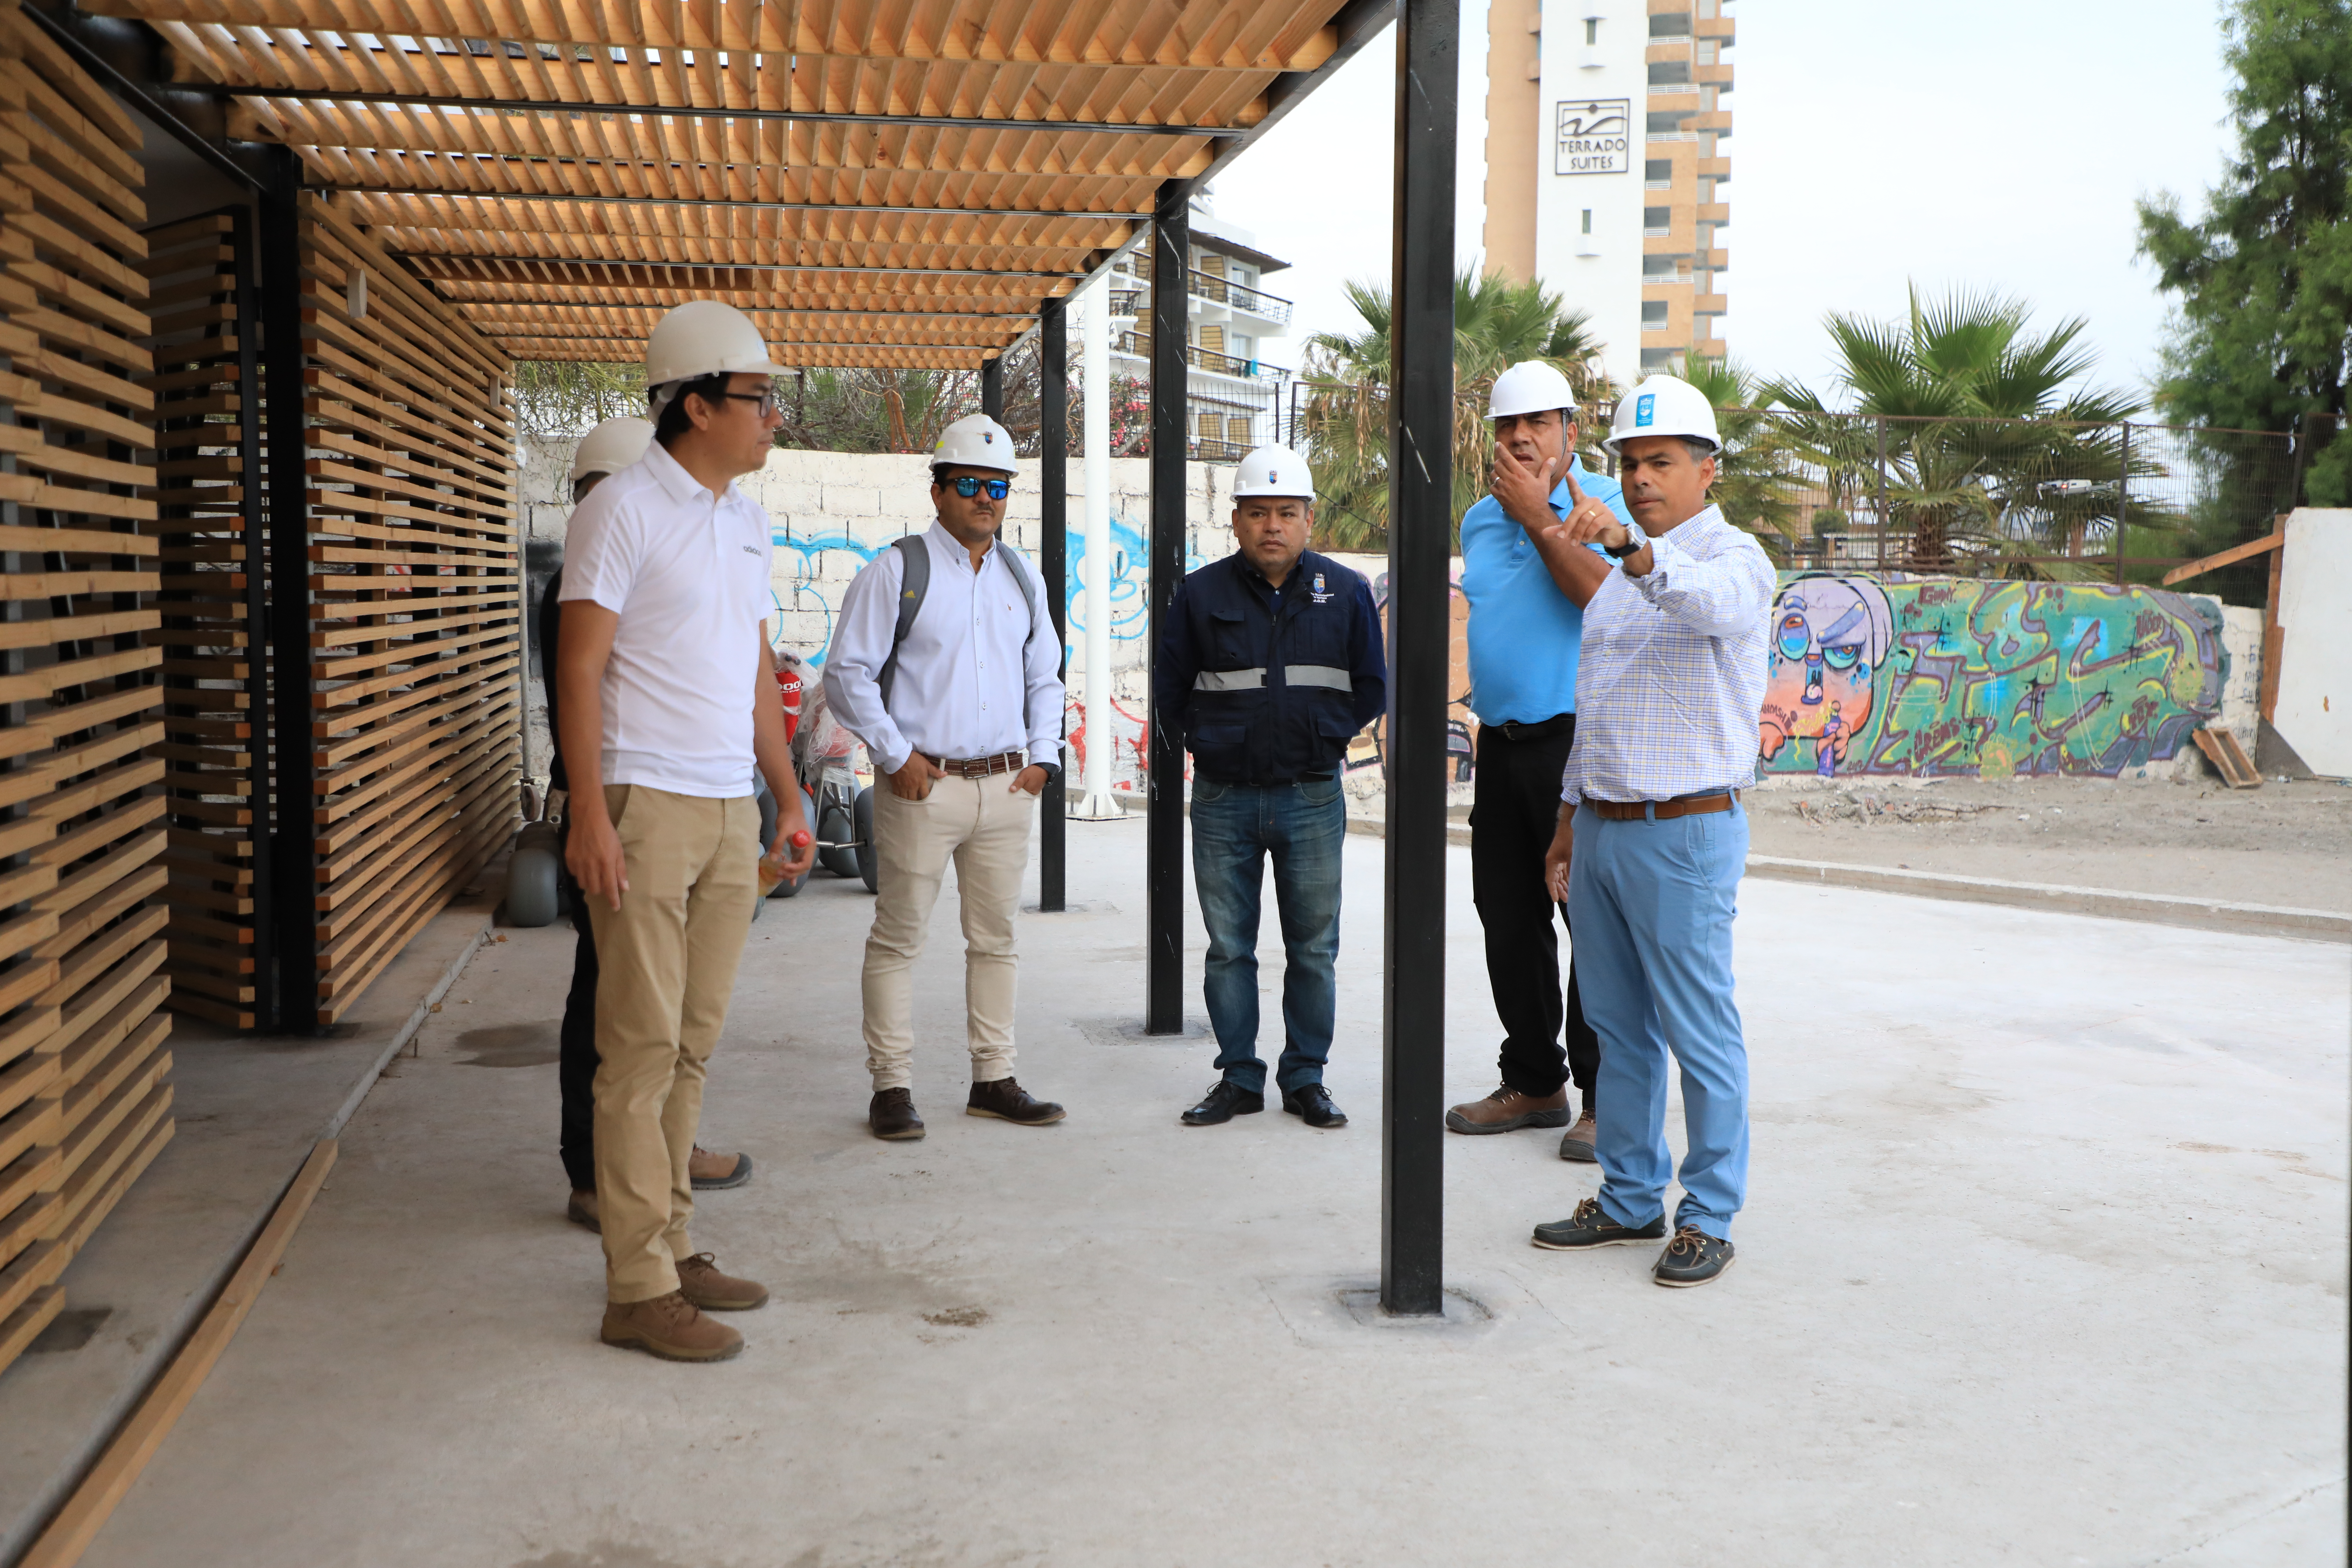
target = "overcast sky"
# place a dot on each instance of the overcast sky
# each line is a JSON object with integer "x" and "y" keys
{"x": 1998, "y": 145}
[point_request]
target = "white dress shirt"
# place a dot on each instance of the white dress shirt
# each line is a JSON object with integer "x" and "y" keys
{"x": 686, "y": 571}
{"x": 1671, "y": 681}
{"x": 965, "y": 688}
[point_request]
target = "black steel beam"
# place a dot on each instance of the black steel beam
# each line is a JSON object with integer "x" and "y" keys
{"x": 293, "y": 849}
{"x": 423, "y": 259}
{"x": 870, "y": 211}
{"x": 569, "y": 106}
{"x": 132, "y": 60}
{"x": 1054, "y": 566}
{"x": 1163, "y": 858}
{"x": 1012, "y": 317}
{"x": 254, "y": 520}
{"x": 1421, "y": 422}
{"x": 992, "y": 388}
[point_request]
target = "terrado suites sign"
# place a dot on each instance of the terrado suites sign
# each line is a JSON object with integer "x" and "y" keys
{"x": 1591, "y": 136}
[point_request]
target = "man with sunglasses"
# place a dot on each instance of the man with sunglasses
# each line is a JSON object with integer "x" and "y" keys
{"x": 667, "y": 696}
{"x": 945, "y": 662}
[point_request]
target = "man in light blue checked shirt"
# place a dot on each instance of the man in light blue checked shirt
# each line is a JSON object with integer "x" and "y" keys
{"x": 1652, "y": 837}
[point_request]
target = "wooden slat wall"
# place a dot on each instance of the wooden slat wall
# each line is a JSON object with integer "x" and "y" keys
{"x": 84, "y": 1106}
{"x": 213, "y": 725}
{"x": 416, "y": 602}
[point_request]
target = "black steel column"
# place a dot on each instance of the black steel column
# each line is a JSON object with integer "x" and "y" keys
{"x": 294, "y": 847}
{"x": 1054, "y": 566}
{"x": 1421, "y": 421}
{"x": 253, "y": 523}
{"x": 1163, "y": 854}
{"x": 992, "y": 387}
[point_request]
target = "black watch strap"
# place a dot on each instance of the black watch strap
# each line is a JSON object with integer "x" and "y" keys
{"x": 1632, "y": 548}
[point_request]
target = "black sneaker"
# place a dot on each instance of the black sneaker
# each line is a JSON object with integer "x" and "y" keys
{"x": 1224, "y": 1100}
{"x": 1591, "y": 1227}
{"x": 1692, "y": 1258}
{"x": 1312, "y": 1104}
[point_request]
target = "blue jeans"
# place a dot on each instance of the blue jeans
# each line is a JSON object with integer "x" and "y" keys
{"x": 1234, "y": 828}
{"x": 1651, "y": 905}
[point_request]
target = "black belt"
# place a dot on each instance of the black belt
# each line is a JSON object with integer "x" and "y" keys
{"x": 1542, "y": 730}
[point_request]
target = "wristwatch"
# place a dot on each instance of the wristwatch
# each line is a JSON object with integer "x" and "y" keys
{"x": 1635, "y": 542}
{"x": 1053, "y": 770}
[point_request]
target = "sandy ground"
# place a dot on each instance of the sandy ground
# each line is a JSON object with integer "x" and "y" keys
{"x": 2285, "y": 843}
{"x": 2044, "y": 1262}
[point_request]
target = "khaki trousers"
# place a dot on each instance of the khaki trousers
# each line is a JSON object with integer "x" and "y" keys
{"x": 666, "y": 961}
{"x": 984, "y": 825}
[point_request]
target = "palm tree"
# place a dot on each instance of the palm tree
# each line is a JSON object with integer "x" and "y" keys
{"x": 1756, "y": 473}
{"x": 1343, "y": 419}
{"x": 1987, "y": 451}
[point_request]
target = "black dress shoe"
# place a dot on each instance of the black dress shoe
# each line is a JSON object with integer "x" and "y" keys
{"x": 1312, "y": 1103}
{"x": 1224, "y": 1100}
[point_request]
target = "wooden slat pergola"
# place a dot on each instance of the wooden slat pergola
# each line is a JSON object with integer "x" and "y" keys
{"x": 889, "y": 183}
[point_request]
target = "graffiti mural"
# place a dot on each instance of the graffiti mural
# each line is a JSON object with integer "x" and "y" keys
{"x": 1956, "y": 677}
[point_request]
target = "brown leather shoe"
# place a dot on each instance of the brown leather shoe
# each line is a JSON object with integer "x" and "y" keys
{"x": 1008, "y": 1101}
{"x": 1576, "y": 1143}
{"x": 716, "y": 1172}
{"x": 700, "y": 1282}
{"x": 1508, "y": 1110}
{"x": 670, "y": 1327}
{"x": 892, "y": 1115}
{"x": 582, "y": 1210}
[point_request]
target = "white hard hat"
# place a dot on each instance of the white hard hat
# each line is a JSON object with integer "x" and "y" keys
{"x": 1274, "y": 471}
{"x": 612, "y": 446}
{"x": 976, "y": 441}
{"x": 1529, "y": 386}
{"x": 704, "y": 337}
{"x": 1664, "y": 406}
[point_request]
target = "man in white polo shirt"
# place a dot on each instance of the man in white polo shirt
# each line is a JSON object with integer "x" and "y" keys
{"x": 667, "y": 695}
{"x": 946, "y": 664}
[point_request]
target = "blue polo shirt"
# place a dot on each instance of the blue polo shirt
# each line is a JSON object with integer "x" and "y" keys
{"x": 1524, "y": 632}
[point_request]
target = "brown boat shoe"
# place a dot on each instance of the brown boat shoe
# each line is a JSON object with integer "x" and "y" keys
{"x": 670, "y": 1327}
{"x": 1508, "y": 1110}
{"x": 701, "y": 1281}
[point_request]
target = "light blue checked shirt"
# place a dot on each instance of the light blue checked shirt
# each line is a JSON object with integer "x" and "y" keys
{"x": 1672, "y": 678}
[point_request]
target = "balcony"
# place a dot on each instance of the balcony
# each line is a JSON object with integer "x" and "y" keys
{"x": 1715, "y": 168}
{"x": 1128, "y": 302}
{"x": 1715, "y": 212}
{"x": 1140, "y": 345}
{"x": 1709, "y": 305}
{"x": 1226, "y": 292}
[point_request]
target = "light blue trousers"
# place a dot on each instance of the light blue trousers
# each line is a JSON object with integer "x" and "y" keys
{"x": 1651, "y": 905}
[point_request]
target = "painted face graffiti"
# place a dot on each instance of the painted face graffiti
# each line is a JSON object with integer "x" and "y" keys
{"x": 1829, "y": 636}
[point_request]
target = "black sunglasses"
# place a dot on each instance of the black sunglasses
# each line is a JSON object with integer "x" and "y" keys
{"x": 766, "y": 400}
{"x": 968, "y": 486}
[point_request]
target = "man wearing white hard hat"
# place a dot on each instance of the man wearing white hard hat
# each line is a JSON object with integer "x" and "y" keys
{"x": 667, "y": 699}
{"x": 1528, "y": 588}
{"x": 946, "y": 663}
{"x": 1270, "y": 662}
{"x": 611, "y": 446}
{"x": 1651, "y": 837}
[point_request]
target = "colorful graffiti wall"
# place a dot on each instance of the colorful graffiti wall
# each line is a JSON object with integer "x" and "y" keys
{"x": 1960, "y": 677}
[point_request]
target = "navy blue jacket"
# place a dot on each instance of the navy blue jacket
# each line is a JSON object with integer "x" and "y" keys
{"x": 1269, "y": 685}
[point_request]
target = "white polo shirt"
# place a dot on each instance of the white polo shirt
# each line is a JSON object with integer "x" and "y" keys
{"x": 686, "y": 571}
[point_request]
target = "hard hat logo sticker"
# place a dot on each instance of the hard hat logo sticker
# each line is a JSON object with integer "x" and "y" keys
{"x": 1644, "y": 408}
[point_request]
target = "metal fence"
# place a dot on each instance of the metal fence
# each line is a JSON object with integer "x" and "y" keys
{"x": 2118, "y": 501}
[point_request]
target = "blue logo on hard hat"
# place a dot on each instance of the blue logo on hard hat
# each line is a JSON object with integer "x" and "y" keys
{"x": 988, "y": 436}
{"x": 1644, "y": 406}
{"x": 1273, "y": 476}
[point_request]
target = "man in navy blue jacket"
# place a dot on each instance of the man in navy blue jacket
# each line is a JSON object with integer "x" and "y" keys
{"x": 1271, "y": 663}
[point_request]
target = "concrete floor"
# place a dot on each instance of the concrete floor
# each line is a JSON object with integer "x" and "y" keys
{"x": 2044, "y": 1262}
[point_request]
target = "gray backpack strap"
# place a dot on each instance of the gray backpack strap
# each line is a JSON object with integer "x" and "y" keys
{"x": 915, "y": 581}
{"x": 1029, "y": 593}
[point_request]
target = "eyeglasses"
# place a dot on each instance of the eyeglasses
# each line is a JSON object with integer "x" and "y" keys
{"x": 766, "y": 400}
{"x": 968, "y": 486}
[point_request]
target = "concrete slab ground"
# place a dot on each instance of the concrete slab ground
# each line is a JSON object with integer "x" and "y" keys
{"x": 2044, "y": 1262}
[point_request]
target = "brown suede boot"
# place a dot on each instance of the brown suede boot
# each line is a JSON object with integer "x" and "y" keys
{"x": 1506, "y": 1111}
{"x": 716, "y": 1172}
{"x": 892, "y": 1115}
{"x": 582, "y": 1210}
{"x": 1008, "y": 1101}
{"x": 670, "y": 1327}
{"x": 699, "y": 1280}
{"x": 1576, "y": 1143}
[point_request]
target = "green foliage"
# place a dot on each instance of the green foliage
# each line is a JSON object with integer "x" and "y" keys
{"x": 1828, "y": 521}
{"x": 1757, "y": 479}
{"x": 555, "y": 398}
{"x": 1990, "y": 458}
{"x": 2263, "y": 333}
{"x": 1343, "y": 417}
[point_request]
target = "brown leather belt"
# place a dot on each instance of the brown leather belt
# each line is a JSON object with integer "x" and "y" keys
{"x": 1662, "y": 810}
{"x": 978, "y": 767}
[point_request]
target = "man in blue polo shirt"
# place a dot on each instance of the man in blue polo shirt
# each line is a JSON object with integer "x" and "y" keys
{"x": 1528, "y": 586}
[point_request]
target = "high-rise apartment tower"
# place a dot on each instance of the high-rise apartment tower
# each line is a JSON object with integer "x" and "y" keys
{"x": 1606, "y": 125}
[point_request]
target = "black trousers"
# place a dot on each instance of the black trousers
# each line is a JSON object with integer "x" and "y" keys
{"x": 1515, "y": 810}
{"x": 576, "y": 1059}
